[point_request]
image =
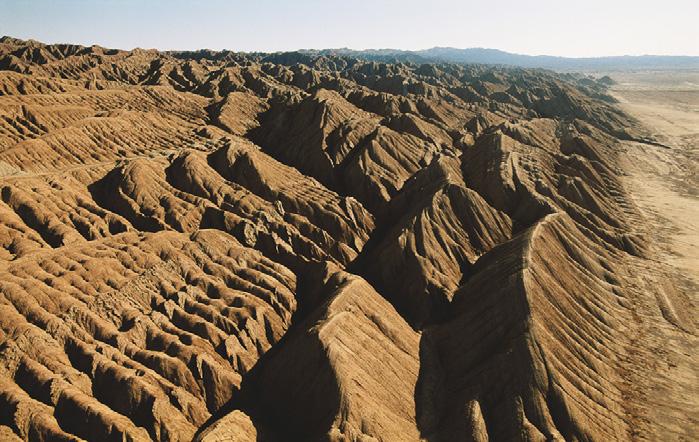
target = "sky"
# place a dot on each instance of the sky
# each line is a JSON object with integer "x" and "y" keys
{"x": 582, "y": 28}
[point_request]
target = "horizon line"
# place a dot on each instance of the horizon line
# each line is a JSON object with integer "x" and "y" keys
{"x": 345, "y": 48}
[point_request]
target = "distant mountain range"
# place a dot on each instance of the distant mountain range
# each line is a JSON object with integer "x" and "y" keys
{"x": 466, "y": 56}
{"x": 497, "y": 57}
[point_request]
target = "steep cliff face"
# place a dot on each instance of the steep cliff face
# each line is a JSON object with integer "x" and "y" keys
{"x": 218, "y": 246}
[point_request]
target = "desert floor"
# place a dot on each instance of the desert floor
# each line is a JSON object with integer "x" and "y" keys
{"x": 664, "y": 184}
{"x": 664, "y": 181}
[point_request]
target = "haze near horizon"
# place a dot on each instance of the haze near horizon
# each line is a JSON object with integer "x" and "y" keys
{"x": 613, "y": 28}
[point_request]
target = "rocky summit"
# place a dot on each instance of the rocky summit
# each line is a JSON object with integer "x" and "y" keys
{"x": 220, "y": 246}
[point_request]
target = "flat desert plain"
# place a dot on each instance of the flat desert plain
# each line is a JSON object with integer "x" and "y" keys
{"x": 663, "y": 182}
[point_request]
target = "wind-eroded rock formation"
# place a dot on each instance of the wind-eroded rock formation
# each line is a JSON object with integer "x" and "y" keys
{"x": 218, "y": 246}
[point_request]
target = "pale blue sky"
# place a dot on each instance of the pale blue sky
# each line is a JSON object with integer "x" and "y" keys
{"x": 569, "y": 28}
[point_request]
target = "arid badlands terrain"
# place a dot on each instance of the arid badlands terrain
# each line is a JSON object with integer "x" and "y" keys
{"x": 226, "y": 247}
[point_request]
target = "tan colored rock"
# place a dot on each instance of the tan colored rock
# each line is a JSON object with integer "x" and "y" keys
{"x": 308, "y": 246}
{"x": 234, "y": 427}
{"x": 357, "y": 378}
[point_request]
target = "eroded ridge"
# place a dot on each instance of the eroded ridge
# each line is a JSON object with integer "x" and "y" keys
{"x": 219, "y": 246}
{"x": 531, "y": 361}
{"x": 135, "y": 336}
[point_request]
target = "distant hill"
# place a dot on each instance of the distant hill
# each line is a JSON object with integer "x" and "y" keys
{"x": 494, "y": 56}
{"x": 498, "y": 57}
